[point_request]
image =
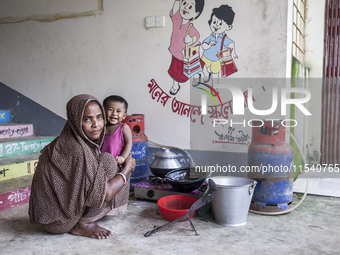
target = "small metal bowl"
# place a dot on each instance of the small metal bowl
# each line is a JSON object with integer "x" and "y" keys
{"x": 181, "y": 181}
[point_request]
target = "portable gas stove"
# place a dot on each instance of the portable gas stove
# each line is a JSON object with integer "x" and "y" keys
{"x": 156, "y": 188}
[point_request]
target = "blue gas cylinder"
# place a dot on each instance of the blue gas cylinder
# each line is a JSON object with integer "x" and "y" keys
{"x": 270, "y": 163}
{"x": 139, "y": 149}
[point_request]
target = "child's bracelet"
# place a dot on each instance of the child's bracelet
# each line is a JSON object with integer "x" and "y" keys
{"x": 124, "y": 178}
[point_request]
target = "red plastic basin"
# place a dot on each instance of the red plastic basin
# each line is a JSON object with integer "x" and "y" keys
{"x": 175, "y": 206}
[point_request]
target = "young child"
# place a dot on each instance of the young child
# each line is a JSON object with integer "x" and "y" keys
{"x": 220, "y": 22}
{"x": 118, "y": 137}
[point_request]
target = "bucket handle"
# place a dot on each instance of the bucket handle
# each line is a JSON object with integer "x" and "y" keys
{"x": 251, "y": 187}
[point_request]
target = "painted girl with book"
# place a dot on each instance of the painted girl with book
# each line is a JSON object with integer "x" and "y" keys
{"x": 183, "y": 33}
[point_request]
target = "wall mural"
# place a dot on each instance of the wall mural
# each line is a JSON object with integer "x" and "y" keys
{"x": 218, "y": 49}
{"x": 194, "y": 113}
{"x": 200, "y": 63}
{"x": 214, "y": 111}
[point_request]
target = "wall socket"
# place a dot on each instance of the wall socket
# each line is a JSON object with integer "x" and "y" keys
{"x": 153, "y": 21}
{"x": 149, "y": 22}
{"x": 159, "y": 21}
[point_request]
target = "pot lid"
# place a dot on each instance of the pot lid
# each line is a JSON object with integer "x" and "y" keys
{"x": 165, "y": 153}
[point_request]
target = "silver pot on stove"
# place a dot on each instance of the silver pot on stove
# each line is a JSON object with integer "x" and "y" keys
{"x": 165, "y": 161}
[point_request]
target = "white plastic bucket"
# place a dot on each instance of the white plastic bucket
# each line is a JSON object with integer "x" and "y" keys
{"x": 232, "y": 201}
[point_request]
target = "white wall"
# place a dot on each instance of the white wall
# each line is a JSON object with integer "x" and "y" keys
{"x": 113, "y": 53}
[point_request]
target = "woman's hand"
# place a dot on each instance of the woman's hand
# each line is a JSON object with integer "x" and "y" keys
{"x": 115, "y": 184}
{"x": 129, "y": 166}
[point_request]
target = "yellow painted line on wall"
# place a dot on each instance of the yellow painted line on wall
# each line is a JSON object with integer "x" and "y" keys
{"x": 17, "y": 169}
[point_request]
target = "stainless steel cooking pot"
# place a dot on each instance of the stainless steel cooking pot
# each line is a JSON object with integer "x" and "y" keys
{"x": 165, "y": 161}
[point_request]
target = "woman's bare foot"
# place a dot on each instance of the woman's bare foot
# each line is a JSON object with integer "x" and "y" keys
{"x": 91, "y": 230}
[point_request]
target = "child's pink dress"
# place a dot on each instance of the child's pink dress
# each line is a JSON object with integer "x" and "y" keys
{"x": 114, "y": 143}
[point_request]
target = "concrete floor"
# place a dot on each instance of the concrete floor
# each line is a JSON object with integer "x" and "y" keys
{"x": 312, "y": 228}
